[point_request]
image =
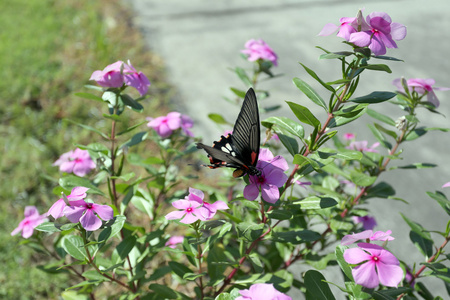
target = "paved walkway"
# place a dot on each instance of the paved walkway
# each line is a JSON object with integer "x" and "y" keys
{"x": 200, "y": 39}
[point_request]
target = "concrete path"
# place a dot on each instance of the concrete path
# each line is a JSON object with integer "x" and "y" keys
{"x": 199, "y": 40}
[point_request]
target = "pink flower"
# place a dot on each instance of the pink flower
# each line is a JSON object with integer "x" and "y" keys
{"x": 135, "y": 79}
{"x": 347, "y": 27}
{"x": 381, "y": 33}
{"x": 194, "y": 208}
{"x": 111, "y": 76}
{"x": 84, "y": 212}
{"x": 349, "y": 136}
{"x": 422, "y": 87}
{"x": 120, "y": 73}
{"x": 174, "y": 240}
{"x": 272, "y": 177}
{"x": 166, "y": 125}
{"x": 368, "y": 223}
{"x": 262, "y": 291}
{"x": 258, "y": 49}
{"x": 32, "y": 220}
{"x": 78, "y": 162}
{"x": 378, "y": 266}
{"x": 367, "y": 235}
{"x": 362, "y": 146}
{"x": 446, "y": 185}
{"x": 57, "y": 209}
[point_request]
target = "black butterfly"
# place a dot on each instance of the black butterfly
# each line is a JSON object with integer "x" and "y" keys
{"x": 240, "y": 149}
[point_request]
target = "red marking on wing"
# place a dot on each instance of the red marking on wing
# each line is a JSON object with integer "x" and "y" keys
{"x": 254, "y": 156}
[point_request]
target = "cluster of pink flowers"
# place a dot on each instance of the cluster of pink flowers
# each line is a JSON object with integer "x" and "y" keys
{"x": 375, "y": 264}
{"x": 258, "y": 49}
{"x": 32, "y": 220}
{"x": 421, "y": 87}
{"x": 262, "y": 291}
{"x": 272, "y": 177}
{"x": 77, "y": 161}
{"x": 118, "y": 74}
{"x": 166, "y": 125}
{"x": 78, "y": 210}
{"x": 193, "y": 208}
{"x": 377, "y": 31}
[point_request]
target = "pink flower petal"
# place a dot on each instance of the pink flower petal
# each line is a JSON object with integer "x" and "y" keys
{"x": 251, "y": 192}
{"x": 328, "y": 29}
{"x": 189, "y": 219}
{"x": 355, "y": 256}
{"x": 446, "y": 185}
{"x": 57, "y": 209}
{"x": 389, "y": 275}
{"x": 175, "y": 215}
{"x": 270, "y": 193}
{"x": 181, "y": 204}
{"x": 73, "y": 213}
{"x": 89, "y": 221}
{"x": 103, "y": 211}
{"x": 366, "y": 275}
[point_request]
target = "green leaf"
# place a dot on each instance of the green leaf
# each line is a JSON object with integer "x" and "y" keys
{"x": 47, "y": 227}
{"x": 380, "y": 190}
{"x": 163, "y": 291}
{"x": 316, "y": 286}
{"x": 125, "y": 246}
{"x": 285, "y": 125}
{"x": 316, "y": 202}
{"x": 346, "y": 154}
{"x": 111, "y": 231}
{"x": 136, "y": 139}
{"x": 314, "y": 75}
{"x": 374, "y": 97}
{"x": 88, "y": 128}
{"x": 380, "y": 137}
{"x": 131, "y": 103}
{"x": 71, "y": 181}
{"x": 131, "y": 128}
{"x": 380, "y": 117}
{"x": 309, "y": 92}
{"x": 303, "y": 114}
{"x": 391, "y": 293}
{"x": 279, "y": 214}
{"x": 179, "y": 269}
{"x": 415, "y": 166}
{"x": 361, "y": 179}
{"x": 289, "y": 143}
{"x": 342, "y": 263}
{"x": 303, "y": 161}
{"x": 94, "y": 275}
{"x": 348, "y": 114}
{"x": 239, "y": 93}
{"x": 216, "y": 118}
{"x": 295, "y": 237}
{"x": 420, "y": 237}
{"x": 249, "y": 231}
{"x": 387, "y": 58}
{"x": 89, "y": 96}
{"x": 74, "y": 246}
{"x": 243, "y": 76}
{"x": 440, "y": 198}
{"x": 378, "y": 67}
{"x": 333, "y": 55}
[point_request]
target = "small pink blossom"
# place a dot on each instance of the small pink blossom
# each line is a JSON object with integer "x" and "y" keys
{"x": 368, "y": 222}
{"x": 446, "y": 185}
{"x": 362, "y": 146}
{"x": 111, "y": 76}
{"x": 262, "y": 291}
{"x": 349, "y": 136}
{"x": 258, "y": 49}
{"x": 32, "y": 220}
{"x": 272, "y": 177}
{"x": 381, "y": 33}
{"x": 368, "y": 235}
{"x": 57, "y": 209}
{"x": 166, "y": 125}
{"x": 195, "y": 208}
{"x": 376, "y": 265}
{"x": 174, "y": 240}
{"x": 421, "y": 87}
{"x": 78, "y": 162}
{"x": 120, "y": 73}
{"x": 347, "y": 27}
{"x": 85, "y": 213}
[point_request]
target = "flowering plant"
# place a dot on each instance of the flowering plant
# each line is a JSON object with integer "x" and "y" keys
{"x": 238, "y": 239}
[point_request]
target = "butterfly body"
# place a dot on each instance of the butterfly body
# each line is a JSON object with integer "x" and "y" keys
{"x": 240, "y": 149}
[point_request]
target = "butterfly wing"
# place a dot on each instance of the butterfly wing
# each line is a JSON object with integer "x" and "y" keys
{"x": 246, "y": 132}
{"x": 220, "y": 158}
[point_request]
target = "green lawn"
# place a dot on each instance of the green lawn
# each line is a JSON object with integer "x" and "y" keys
{"x": 48, "y": 51}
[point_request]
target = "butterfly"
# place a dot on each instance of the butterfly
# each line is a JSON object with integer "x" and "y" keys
{"x": 239, "y": 149}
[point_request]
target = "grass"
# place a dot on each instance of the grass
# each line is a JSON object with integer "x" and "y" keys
{"x": 49, "y": 50}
